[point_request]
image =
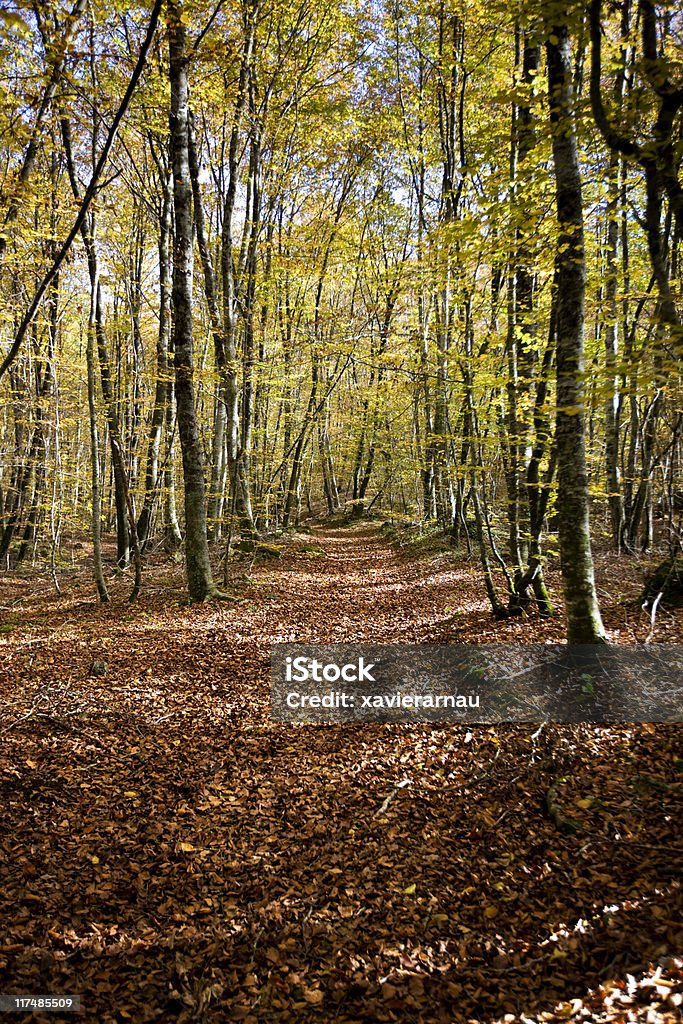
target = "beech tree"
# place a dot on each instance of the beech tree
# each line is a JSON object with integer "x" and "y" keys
{"x": 583, "y": 612}
{"x": 200, "y": 583}
{"x": 437, "y": 261}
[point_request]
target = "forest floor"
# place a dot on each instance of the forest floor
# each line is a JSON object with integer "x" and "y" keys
{"x": 169, "y": 853}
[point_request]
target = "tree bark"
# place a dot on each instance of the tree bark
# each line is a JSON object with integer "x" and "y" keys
{"x": 200, "y": 583}
{"x": 584, "y": 624}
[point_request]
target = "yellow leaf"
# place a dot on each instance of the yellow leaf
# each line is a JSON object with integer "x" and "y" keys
{"x": 490, "y": 912}
{"x": 584, "y": 804}
{"x": 14, "y": 21}
{"x": 94, "y": 860}
{"x": 410, "y": 889}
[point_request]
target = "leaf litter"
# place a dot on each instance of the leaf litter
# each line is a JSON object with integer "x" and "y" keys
{"x": 170, "y": 854}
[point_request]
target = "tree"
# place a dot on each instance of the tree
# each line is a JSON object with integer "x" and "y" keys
{"x": 584, "y": 625}
{"x": 388, "y": 312}
{"x": 200, "y": 583}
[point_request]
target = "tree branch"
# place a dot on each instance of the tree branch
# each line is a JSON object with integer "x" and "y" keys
{"x": 612, "y": 137}
{"x": 88, "y": 197}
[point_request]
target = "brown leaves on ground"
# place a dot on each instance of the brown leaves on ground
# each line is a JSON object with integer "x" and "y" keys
{"x": 171, "y": 855}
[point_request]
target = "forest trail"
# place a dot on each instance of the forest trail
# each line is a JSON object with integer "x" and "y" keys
{"x": 350, "y": 584}
{"x": 186, "y": 859}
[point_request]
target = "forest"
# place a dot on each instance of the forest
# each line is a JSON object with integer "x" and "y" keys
{"x": 357, "y": 322}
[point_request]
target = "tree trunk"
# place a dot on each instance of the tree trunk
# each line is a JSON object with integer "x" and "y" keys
{"x": 230, "y": 388}
{"x": 200, "y": 583}
{"x": 162, "y": 389}
{"x": 584, "y": 624}
{"x": 215, "y": 497}
{"x": 612, "y": 404}
{"x": 95, "y": 452}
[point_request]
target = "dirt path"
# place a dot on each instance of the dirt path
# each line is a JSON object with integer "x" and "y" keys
{"x": 353, "y": 585}
{"x": 172, "y": 855}
{"x": 332, "y": 585}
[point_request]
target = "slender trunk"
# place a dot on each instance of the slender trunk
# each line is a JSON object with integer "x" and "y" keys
{"x": 522, "y": 317}
{"x": 121, "y": 494}
{"x": 241, "y": 502}
{"x": 218, "y": 445}
{"x": 249, "y": 347}
{"x": 172, "y": 536}
{"x": 33, "y": 518}
{"x": 22, "y": 481}
{"x": 614, "y": 497}
{"x": 329, "y": 476}
{"x": 95, "y": 451}
{"x": 162, "y": 390}
{"x": 117, "y": 457}
{"x": 291, "y": 510}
